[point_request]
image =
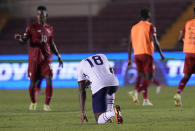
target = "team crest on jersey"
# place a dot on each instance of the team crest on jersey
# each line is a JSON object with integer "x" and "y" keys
{"x": 48, "y": 31}
{"x": 39, "y": 31}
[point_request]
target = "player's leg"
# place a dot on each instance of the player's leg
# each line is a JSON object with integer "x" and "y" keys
{"x": 33, "y": 104}
{"x": 107, "y": 116}
{"x": 110, "y": 101}
{"x": 148, "y": 76}
{"x": 140, "y": 67}
{"x": 159, "y": 85}
{"x": 99, "y": 107}
{"x": 182, "y": 83}
{"x": 32, "y": 74}
{"x": 177, "y": 96}
{"x": 48, "y": 93}
{"x": 138, "y": 86}
{"x": 146, "y": 83}
{"x": 189, "y": 68}
{"x": 47, "y": 73}
{"x": 38, "y": 86}
{"x": 110, "y": 97}
{"x": 111, "y": 91}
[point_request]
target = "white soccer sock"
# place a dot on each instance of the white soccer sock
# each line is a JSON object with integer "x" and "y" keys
{"x": 136, "y": 94}
{"x": 110, "y": 101}
{"x": 104, "y": 117}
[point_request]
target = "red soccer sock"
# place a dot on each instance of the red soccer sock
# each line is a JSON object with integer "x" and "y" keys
{"x": 32, "y": 94}
{"x": 156, "y": 82}
{"x": 48, "y": 93}
{"x": 146, "y": 83}
{"x": 138, "y": 84}
{"x": 182, "y": 84}
{"x": 139, "y": 88}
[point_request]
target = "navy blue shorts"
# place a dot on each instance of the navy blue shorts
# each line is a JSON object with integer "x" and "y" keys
{"x": 99, "y": 98}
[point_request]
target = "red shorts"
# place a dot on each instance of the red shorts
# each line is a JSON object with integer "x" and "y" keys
{"x": 189, "y": 65}
{"x": 144, "y": 63}
{"x": 37, "y": 70}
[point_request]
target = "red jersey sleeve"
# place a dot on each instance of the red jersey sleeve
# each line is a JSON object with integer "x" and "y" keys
{"x": 52, "y": 33}
{"x": 27, "y": 32}
{"x": 152, "y": 30}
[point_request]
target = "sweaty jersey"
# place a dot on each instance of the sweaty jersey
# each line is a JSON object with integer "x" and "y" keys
{"x": 97, "y": 69}
{"x": 189, "y": 36}
{"x": 40, "y": 36}
{"x": 141, "y": 38}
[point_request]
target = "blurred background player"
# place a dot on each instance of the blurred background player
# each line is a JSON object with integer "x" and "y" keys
{"x": 104, "y": 84}
{"x": 40, "y": 35}
{"x": 158, "y": 84}
{"x": 143, "y": 39}
{"x": 139, "y": 85}
{"x": 188, "y": 37}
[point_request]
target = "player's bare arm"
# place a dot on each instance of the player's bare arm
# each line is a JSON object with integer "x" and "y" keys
{"x": 82, "y": 99}
{"x": 87, "y": 83}
{"x": 129, "y": 53}
{"x": 56, "y": 52}
{"x": 181, "y": 36}
{"x": 20, "y": 38}
{"x": 157, "y": 46}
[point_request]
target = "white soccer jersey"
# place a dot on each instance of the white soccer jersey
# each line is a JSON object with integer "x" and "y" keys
{"x": 96, "y": 69}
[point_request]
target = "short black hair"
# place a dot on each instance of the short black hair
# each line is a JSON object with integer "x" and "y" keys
{"x": 41, "y": 7}
{"x": 145, "y": 13}
{"x": 194, "y": 9}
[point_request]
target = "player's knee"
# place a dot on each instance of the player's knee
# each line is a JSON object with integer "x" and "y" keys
{"x": 187, "y": 76}
{"x": 49, "y": 79}
{"x": 141, "y": 74}
{"x": 32, "y": 83}
{"x": 149, "y": 76}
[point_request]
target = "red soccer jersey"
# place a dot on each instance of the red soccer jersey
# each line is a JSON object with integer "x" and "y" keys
{"x": 40, "y": 36}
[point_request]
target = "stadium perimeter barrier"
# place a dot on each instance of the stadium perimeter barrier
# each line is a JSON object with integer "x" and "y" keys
{"x": 13, "y": 70}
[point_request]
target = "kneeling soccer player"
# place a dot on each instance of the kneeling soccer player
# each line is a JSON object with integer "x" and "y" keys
{"x": 104, "y": 84}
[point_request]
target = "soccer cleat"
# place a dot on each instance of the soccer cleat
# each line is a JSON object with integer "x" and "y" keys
{"x": 147, "y": 102}
{"x": 46, "y": 107}
{"x": 33, "y": 106}
{"x": 134, "y": 96}
{"x": 159, "y": 88}
{"x": 109, "y": 121}
{"x": 177, "y": 100}
{"x": 118, "y": 115}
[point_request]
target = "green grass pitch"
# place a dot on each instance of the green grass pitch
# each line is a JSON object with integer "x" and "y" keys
{"x": 65, "y": 114}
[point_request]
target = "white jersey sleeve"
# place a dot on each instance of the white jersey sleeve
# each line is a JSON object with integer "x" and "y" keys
{"x": 80, "y": 74}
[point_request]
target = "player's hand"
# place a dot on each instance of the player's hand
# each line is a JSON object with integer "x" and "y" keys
{"x": 60, "y": 62}
{"x": 87, "y": 83}
{"x": 129, "y": 63}
{"x": 83, "y": 118}
{"x": 18, "y": 36}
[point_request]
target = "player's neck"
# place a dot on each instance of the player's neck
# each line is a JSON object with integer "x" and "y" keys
{"x": 146, "y": 20}
{"x": 41, "y": 23}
